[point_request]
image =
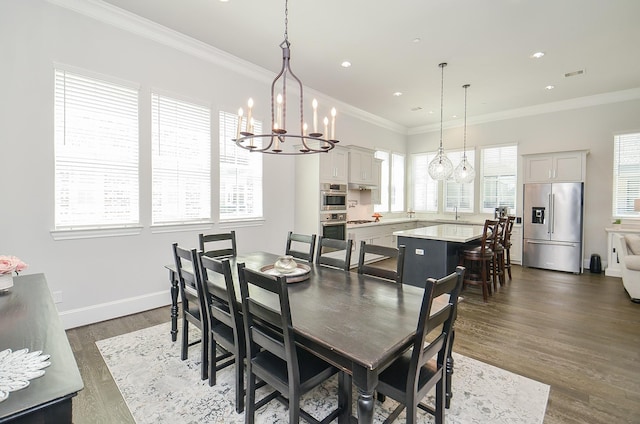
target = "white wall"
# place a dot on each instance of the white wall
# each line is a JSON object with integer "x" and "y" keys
{"x": 101, "y": 278}
{"x": 588, "y": 128}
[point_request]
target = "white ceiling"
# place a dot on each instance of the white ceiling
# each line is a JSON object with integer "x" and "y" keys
{"x": 487, "y": 43}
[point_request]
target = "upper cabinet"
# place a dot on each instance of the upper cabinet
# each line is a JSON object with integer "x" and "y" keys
{"x": 555, "y": 167}
{"x": 334, "y": 165}
{"x": 362, "y": 167}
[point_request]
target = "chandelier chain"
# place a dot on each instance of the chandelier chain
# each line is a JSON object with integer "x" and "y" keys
{"x": 286, "y": 21}
{"x": 442, "y": 65}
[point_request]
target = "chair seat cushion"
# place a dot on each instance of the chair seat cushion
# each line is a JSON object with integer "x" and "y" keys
{"x": 313, "y": 370}
{"x": 396, "y": 374}
{"x": 477, "y": 254}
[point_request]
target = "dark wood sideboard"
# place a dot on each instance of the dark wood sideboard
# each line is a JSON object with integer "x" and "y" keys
{"x": 29, "y": 319}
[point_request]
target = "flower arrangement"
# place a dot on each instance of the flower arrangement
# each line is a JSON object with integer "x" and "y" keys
{"x": 10, "y": 264}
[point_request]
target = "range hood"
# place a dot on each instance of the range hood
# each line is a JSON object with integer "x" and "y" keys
{"x": 359, "y": 186}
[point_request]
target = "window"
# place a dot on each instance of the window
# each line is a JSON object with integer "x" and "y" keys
{"x": 498, "y": 177}
{"x": 240, "y": 173}
{"x": 459, "y": 196}
{"x": 397, "y": 182}
{"x": 384, "y": 182}
{"x": 181, "y": 161}
{"x": 626, "y": 174}
{"x": 425, "y": 189}
{"x": 96, "y": 152}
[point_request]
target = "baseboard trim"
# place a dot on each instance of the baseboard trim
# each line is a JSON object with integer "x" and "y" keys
{"x": 104, "y": 311}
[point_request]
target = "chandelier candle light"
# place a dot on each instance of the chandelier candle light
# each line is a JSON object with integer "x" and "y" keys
{"x": 279, "y": 140}
{"x": 440, "y": 168}
{"x": 464, "y": 172}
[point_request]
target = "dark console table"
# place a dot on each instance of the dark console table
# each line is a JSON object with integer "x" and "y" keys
{"x": 29, "y": 319}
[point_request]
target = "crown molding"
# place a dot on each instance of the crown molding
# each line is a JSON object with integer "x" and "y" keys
{"x": 577, "y": 103}
{"x": 127, "y": 21}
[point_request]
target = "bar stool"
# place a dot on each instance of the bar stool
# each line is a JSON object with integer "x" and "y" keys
{"x": 498, "y": 263}
{"x": 478, "y": 260}
{"x": 506, "y": 243}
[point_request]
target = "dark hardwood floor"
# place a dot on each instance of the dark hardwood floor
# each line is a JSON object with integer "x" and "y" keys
{"x": 578, "y": 333}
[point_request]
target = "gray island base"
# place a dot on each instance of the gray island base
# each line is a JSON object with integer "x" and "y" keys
{"x": 433, "y": 251}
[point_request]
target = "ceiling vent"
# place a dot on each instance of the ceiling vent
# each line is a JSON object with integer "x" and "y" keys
{"x": 415, "y": 109}
{"x": 574, "y": 73}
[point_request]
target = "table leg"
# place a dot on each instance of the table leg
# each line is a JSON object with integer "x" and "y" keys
{"x": 174, "y": 305}
{"x": 366, "y": 381}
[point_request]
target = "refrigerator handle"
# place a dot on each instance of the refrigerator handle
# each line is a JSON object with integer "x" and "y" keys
{"x": 553, "y": 212}
{"x": 550, "y": 214}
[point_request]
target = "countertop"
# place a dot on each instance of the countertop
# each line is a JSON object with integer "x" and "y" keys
{"x": 445, "y": 232}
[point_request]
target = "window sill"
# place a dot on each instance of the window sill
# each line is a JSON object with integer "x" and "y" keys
{"x": 174, "y": 228}
{"x": 85, "y": 233}
{"x": 237, "y": 223}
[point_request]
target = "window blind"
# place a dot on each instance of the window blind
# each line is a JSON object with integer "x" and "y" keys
{"x": 384, "y": 181}
{"x": 181, "y": 161}
{"x": 425, "y": 189}
{"x": 626, "y": 174}
{"x": 498, "y": 177}
{"x": 96, "y": 152}
{"x": 240, "y": 173}
{"x": 458, "y": 195}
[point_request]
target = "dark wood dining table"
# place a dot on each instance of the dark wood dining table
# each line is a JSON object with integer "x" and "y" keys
{"x": 358, "y": 323}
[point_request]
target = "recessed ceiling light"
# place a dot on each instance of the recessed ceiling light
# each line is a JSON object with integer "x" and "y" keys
{"x": 346, "y": 64}
{"x": 537, "y": 55}
{"x": 397, "y": 94}
{"x": 430, "y": 112}
{"x": 550, "y": 87}
{"x": 416, "y": 40}
{"x": 454, "y": 116}
{"x": 574, "y": 73}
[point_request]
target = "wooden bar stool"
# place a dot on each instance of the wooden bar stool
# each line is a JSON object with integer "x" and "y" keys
{"x": 478, "y": 260}
{"x": 507, "y": 244}
{"x": 496, "y": 245}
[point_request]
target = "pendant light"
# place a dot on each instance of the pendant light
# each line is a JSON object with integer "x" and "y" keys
{"x": 464, "y": 172}
{"x": 440, "y": 168}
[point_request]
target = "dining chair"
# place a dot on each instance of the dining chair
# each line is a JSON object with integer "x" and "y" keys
{"x": 381, "y": 253}
{"x": 218, "y": 245}
{"x": 272, "y": 354}
{"x": 409, "y": 378}
{"x": 334, "y": 253}
{"x": 224, "y": 320}
{"x": 188, "y": 273}
{"x": 295, "y": 242}
{"x": 478, "y": 259}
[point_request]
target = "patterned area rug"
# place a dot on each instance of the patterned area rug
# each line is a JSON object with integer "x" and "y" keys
{"x": 160, "y": 388}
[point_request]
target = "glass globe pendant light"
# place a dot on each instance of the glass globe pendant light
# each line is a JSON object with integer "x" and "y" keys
{"x": 440, "y": 168}
{"x": 464, "y": 172}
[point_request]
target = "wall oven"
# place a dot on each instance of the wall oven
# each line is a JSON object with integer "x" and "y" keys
{"x": 334, "y": 225}
{"x": 333, "y": 197}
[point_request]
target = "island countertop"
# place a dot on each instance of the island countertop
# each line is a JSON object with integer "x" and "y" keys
{"x": 445, "y": 232}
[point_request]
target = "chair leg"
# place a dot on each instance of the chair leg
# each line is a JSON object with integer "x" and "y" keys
{"x": 212, "y": 360}
{"x": 294, "y": 406}
{"x": 239, "y": 362}
{"x": 205, "y": 354}
{"x": 251, "y": 396}
{"x": 185, "y": 338}
{"x": 440, "y": 402}
{"x": 483, "y": 276}
{"x": 508, "y": 263}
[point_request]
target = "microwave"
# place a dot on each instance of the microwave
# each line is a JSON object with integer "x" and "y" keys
{"x": 333, "y": 197}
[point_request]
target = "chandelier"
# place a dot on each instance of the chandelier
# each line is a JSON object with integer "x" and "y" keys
{"x": 464, "y": 172}
{"x": 440, "y": 168}
{"x": 279, "y": 140}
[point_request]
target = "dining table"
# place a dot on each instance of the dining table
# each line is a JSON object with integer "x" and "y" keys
{"x": 358, "y": 323}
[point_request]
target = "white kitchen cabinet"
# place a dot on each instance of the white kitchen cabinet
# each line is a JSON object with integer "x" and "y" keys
{"x": 516, "y": 245}
{"x": 555, "y": 167}
{"x": 376, "y": 196}
{"x": 361, "y": 166}
{"x": 380, "y": 234}
{"x": 334, "y": 165}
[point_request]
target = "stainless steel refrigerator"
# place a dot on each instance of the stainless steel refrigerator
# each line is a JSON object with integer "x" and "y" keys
{"x": 552, "y": 226}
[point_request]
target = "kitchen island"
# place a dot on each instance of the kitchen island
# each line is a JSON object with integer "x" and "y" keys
{"x": 433, "y": 251}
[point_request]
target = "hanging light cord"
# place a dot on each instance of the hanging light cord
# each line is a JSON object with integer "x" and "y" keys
{"x": 442, "y": 65}
{"x": 464, "y": 141}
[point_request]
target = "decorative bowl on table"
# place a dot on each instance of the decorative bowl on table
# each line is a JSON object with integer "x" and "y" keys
{"x": 286, "y": 266}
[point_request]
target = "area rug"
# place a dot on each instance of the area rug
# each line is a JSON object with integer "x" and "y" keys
{"x": 160, "y": 388}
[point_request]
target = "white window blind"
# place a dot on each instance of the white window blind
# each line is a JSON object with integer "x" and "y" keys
{"x": 181, "y": 161}
{"x": 240, "y": 173}
{"x": 96, "y": 152}
{"x": 458, "y": 195}
{"x": 498, "y": 177}
{"x": 626, "y": 174}
{"x": 397, "y": 182}
{"x": 384, "y": 182}
{"x": 425, "y": 189}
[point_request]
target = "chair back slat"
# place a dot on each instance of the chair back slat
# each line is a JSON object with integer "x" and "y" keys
{"x": 218, "y": 245}
{"x": 295, "y": 242}
{"x": 340, "y": 260}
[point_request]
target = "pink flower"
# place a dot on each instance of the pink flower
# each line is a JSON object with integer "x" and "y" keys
{"x": 9, "y": 264}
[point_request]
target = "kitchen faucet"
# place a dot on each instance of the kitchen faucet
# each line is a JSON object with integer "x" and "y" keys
{"x": 456, "y": 209}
